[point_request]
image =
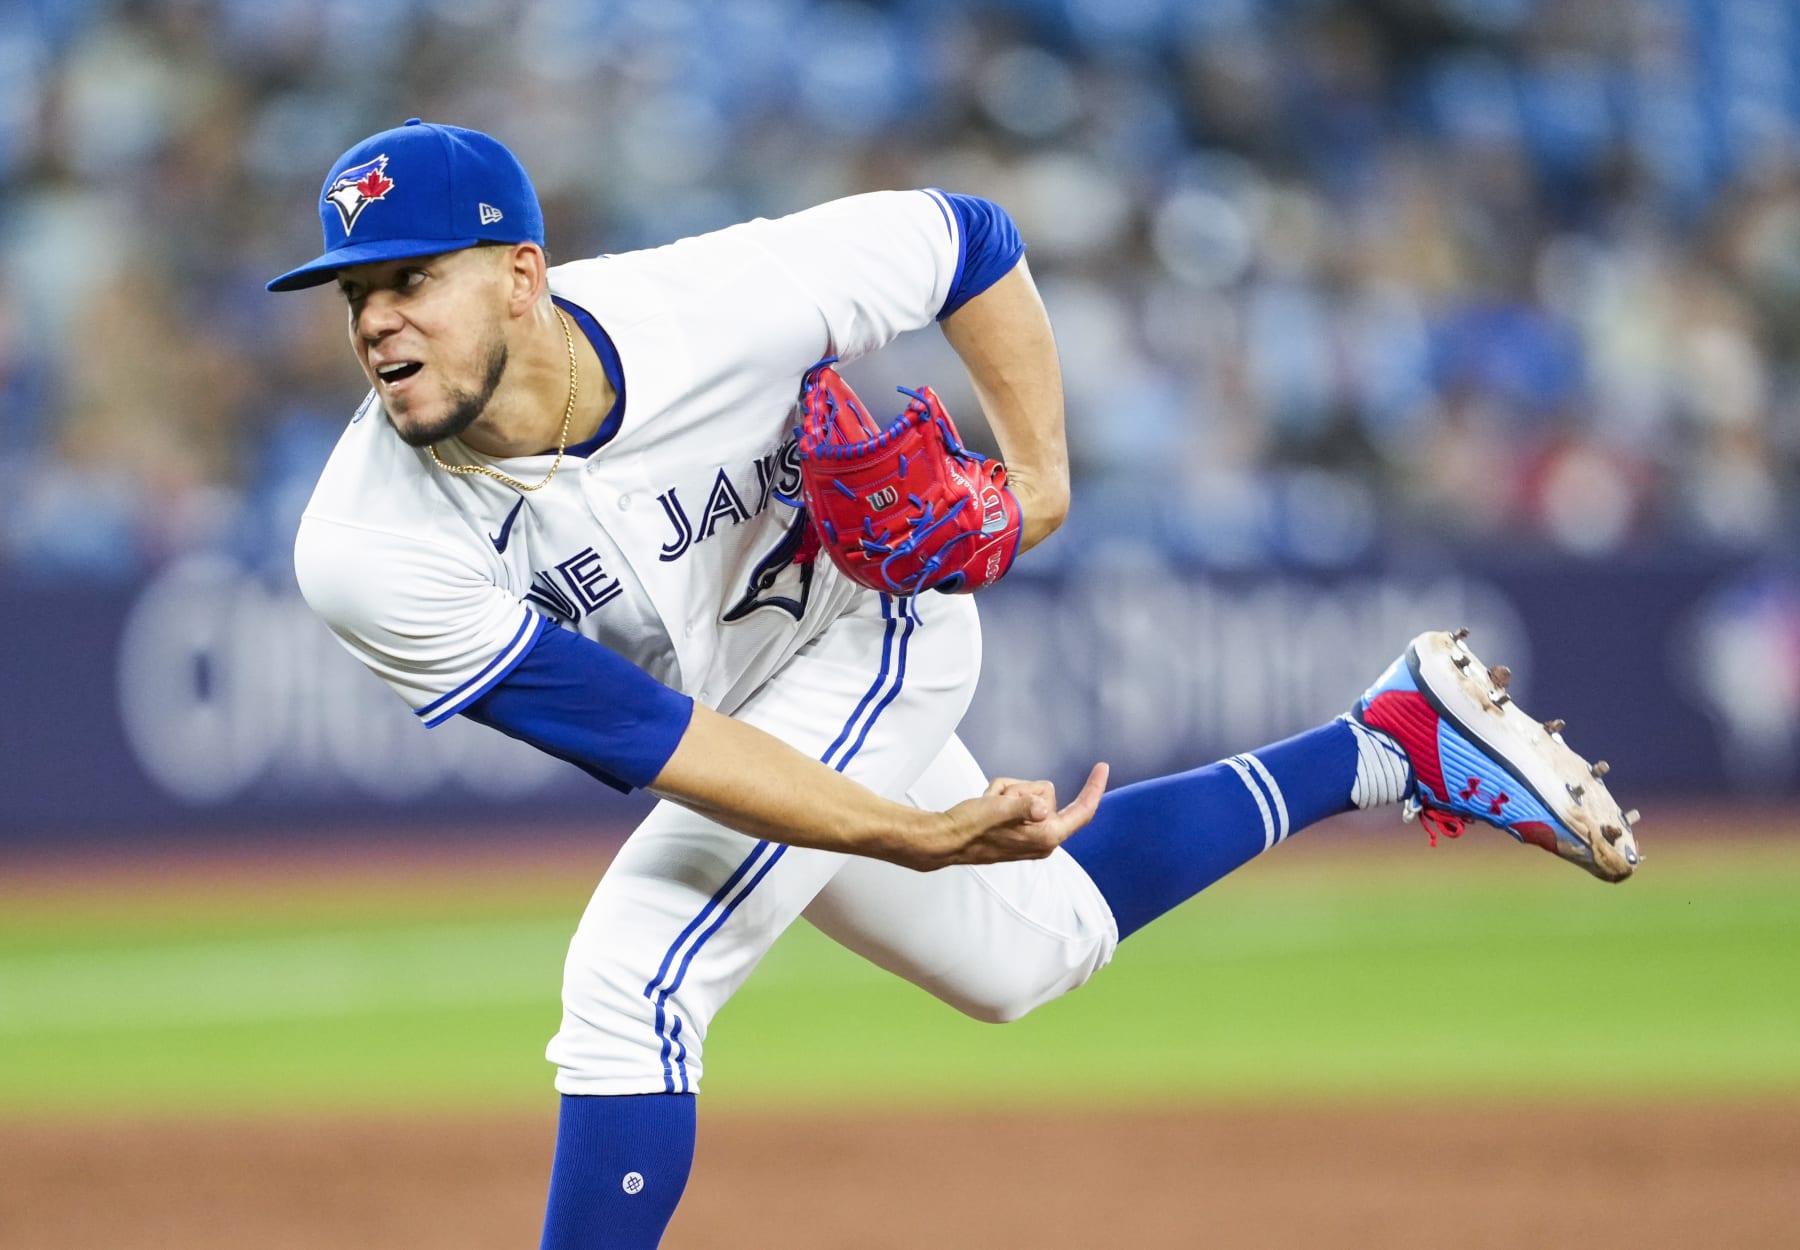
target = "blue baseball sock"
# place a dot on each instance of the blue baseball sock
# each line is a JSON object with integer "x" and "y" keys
{"x": 1156, "y": 844}
{"x": 621, "y": 1164}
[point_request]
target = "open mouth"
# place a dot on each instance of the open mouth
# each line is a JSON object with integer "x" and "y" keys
{"x": 398, "y": 370}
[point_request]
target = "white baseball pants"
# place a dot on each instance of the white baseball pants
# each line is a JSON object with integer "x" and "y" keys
{"x": 688, "y": 907}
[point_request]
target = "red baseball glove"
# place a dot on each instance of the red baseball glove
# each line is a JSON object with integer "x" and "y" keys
{"x": 906, "y": 508}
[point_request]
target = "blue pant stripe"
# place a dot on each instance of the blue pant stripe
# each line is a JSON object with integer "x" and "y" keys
{"x": 669, "y": 958}
{"x": 674, "y": 1053}
{"x": 887, "y": 646}
{"x": 899, "y": 680}
{"x": 680, "y": 1051}
{"x": 706, "y": 911}
{"x": 716, "y": 925}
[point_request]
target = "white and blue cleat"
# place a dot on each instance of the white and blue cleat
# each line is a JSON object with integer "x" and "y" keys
{"x": 1475, "y": 756}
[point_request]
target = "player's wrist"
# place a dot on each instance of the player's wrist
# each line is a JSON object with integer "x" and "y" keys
{"x": 915, "y": 839}
{"x": 1043, "y": 504}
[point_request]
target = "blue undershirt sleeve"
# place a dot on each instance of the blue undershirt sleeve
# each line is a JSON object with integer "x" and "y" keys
{"x": 989, "y": 243}
{"x": 584, "y": 703}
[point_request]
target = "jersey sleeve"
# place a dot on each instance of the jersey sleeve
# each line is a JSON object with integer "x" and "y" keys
{"x": 880, "y": 264}
{"x": 988, "y": 246}
{"x": 447, "y": 640}
{"x": 423, "y": 617}
{"x": 586, "y": 704}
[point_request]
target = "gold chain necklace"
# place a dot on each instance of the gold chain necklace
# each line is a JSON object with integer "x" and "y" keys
{"x": 561, "y": 446}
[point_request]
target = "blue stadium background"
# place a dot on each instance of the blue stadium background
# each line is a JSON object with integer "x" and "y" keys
{"x": 1374, "y": 316}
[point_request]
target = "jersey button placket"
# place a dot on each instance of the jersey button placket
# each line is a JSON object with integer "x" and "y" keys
{"x": 621, "y": 486}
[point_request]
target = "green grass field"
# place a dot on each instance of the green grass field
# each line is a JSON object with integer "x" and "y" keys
{"x": 1478, "y": 970}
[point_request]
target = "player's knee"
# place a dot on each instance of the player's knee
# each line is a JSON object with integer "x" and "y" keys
{"x": 999, "y": 1013}
{"x": 1001, "y": 991}
{"x": 997, "y": 1007}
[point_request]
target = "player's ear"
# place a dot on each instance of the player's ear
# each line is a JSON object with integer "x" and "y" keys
{"x": 527, "y": 276}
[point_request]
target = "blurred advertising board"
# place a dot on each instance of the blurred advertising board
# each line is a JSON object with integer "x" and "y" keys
{"x": 209, "y": 702}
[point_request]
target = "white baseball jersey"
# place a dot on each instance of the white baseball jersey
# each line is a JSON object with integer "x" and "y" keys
{"x": 439, "y": 582}
{"x": 668, "y": 541}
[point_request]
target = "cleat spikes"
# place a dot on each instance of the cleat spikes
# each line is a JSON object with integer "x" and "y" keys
{"x": 1460, "y": 634}
{"x": 1520, "y": 775}
{"x": 1632, "y": 816}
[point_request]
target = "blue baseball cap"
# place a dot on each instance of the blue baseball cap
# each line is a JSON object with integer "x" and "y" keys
{"x": 417, "y": 190}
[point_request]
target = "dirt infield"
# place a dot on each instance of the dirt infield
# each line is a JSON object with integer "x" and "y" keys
{"x": 1473, "y": 1178}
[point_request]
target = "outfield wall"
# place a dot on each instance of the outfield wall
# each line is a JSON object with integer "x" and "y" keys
{"x": 210, "y": 701}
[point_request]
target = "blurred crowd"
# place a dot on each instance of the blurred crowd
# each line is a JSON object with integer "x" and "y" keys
{"x": 1331, "y": 279}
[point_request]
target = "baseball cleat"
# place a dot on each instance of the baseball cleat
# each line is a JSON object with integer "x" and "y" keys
{"x": 1476, "y": 756}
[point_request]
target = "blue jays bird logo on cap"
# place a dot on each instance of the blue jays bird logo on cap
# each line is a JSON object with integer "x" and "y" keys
{"x": 358, "y": 187}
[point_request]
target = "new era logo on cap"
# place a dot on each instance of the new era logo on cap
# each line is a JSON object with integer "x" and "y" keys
{"x": 489, "y": 214}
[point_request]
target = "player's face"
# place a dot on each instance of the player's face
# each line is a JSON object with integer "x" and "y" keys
{"x": 429, "y": 334}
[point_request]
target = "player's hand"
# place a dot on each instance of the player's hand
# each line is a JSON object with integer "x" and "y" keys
{"x": 1045, "y": 790}
{"x": 1012, "y": 820}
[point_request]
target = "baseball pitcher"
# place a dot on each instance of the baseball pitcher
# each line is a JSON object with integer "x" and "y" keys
{"x": 626, "y": 510}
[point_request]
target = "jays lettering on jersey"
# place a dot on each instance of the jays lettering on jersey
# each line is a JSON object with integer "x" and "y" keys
{"x": 668, "y": 541}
